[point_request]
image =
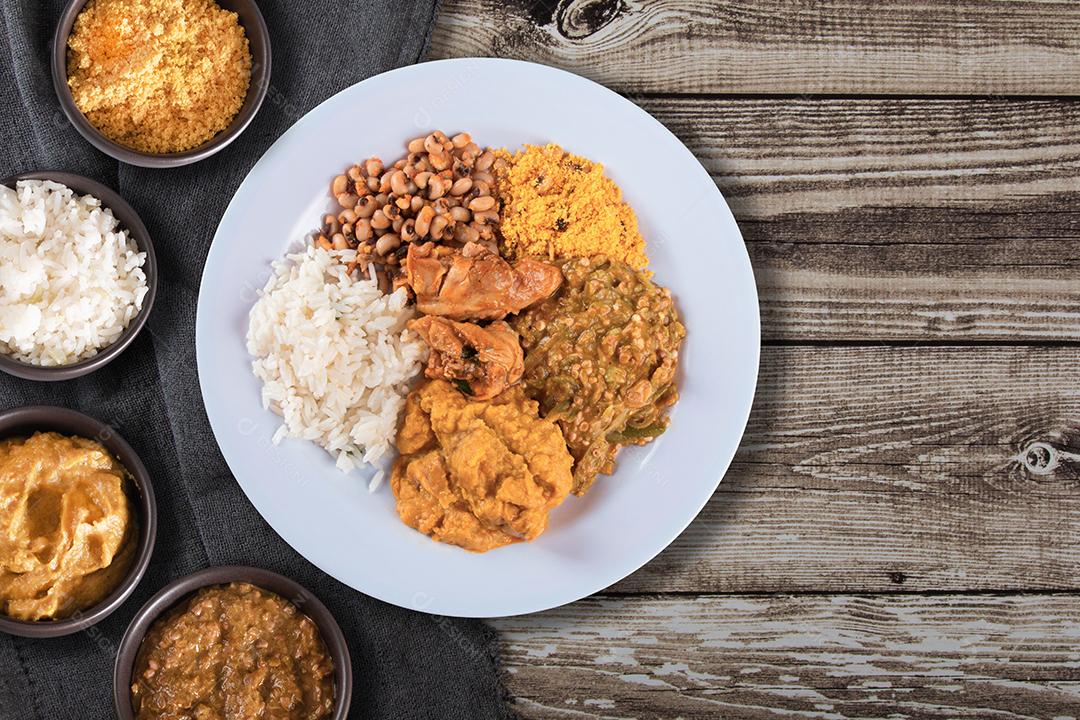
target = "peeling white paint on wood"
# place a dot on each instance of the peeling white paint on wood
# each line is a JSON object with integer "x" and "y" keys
{"x": 872, "y": 657}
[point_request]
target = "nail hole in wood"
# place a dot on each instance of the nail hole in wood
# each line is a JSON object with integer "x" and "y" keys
{"x": 898, "y": 577}
{"x": 1040, "y": 458}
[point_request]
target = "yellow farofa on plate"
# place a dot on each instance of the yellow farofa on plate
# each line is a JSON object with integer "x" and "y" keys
{"x": 159, "y": 76}
{"x": 559, "y": 205}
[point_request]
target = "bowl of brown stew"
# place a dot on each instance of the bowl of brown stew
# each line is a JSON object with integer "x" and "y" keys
{"x": 244, "y": 637}
{"x": 53, "y": 458}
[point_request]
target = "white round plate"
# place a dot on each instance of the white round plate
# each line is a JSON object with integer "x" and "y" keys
{"x": 695, "y": 249}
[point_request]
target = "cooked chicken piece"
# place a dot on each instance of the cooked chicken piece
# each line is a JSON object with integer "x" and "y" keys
{"x": 480, "y": 361}
{"x": 475, "y": 283}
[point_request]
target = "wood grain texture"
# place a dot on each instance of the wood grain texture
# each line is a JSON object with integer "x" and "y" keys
{"x": 915, "y": 47}
{"x": 899, "y": 219}
{"x": 788, "y": 157}
{"x": 870, "y": 469}
{"x": 806, "y": 657}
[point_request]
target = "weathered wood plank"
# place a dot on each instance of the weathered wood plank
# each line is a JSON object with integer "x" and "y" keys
{"x": 835, "y": 657}
{"x": 786, "y": 157}
{"x": 870, "y": 469}
{"x": 900, "y": 219}
{"x": 778, "y": 46}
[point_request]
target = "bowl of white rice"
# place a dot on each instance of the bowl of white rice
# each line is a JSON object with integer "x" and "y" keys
{"x": 77, "y": 275}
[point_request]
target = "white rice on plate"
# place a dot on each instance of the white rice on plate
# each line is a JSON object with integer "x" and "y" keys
{"x": 71, "y": 280}
{"x": 334, "y": 355}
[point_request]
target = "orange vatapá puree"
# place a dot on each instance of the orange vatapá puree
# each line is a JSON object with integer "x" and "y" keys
{"x": 67, "y": 527}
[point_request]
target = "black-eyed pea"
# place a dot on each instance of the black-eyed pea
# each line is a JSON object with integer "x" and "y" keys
{"x": 379, "y": 221}
{"x": 373, "y": 166}
{"x": 415, "y": 204}
{"x": 461, "y": 186}
{"x": 399, "y": 183}
{"x": 387, "y": 244}
{"x": 483, "y": 176}
{"x": 421, "y": 179}
{"x": 436, "y": 188}
{"x": 439, "y": 161}
{"x": 486, "y": 217}
{"x": 373, "y": 183}
{"x": 438, "y": 225}
{"x": 408, "y": 230}
{"x": 416, "y": 145}
{"x": 460, "y": 214}
{"x": 460, "y": 169}
{"x": 423, "y": 220}
{"x": 465, "y": 233}
{"x": 354, "y": 173}
{"x": 339, "y": 242}
{"x": 362, "y": 230}
{"x": 347, "y": 200}
{"x": 397, "y": 224}
{"x": 482, "y": 204}
{"x": 340, "y": 185}
{"x": 366, "y": 207}
{"x": 461, "y": 140}
{"x": 484, "y": 161}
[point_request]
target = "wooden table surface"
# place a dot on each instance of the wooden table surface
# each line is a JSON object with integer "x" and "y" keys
{"x": 898, "y": 536}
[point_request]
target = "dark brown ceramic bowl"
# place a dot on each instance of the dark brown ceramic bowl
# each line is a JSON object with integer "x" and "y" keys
{"x": 178, "y": 590}
{"x": 26, "y": 421}
{"x": 129, "y": 220}
{"x": 258, "y": 42}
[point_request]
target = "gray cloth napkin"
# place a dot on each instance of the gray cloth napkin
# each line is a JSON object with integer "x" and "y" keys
{"x": 406, "y": 664}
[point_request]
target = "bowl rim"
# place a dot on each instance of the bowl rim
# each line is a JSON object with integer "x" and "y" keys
{"x": 181, "y": 588}
{"x": 260, "y": 83}
{"x": 43, "y": 418}
{"x": 129, "y": 220}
